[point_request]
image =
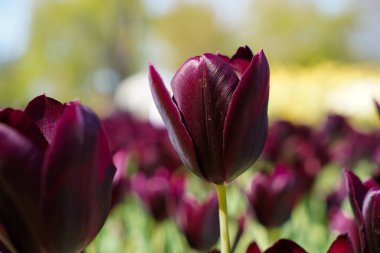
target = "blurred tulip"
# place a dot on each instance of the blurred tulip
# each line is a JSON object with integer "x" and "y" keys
{"x": 199, "y": 222}
{"x": 120, "y": 183}
{"x": 56, "y": 176}
{"x": 160, "y": 193}
{"x": 273, "y": 196}
{"x": 148, "y": 145}
{"x": 342, "y": 244}
{"x": 365, "y": 200}
{"x": 217, "y": 118}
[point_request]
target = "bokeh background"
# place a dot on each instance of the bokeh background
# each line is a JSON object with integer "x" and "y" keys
{"x": 324, "y": 57}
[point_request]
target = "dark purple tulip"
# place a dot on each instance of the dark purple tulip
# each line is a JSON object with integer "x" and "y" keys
{"x": 148, "y": 145}
{"x": 371, "y": 217}
{"x": 56, "y": 176}
{"x": 365, "y": 202}
{"x": 217, "y": 118}
{"x": 160, "y": 193}
{"x": 342, "y": 244}
{"x": 273, "y": 196}
{"x": 199, "y": 222}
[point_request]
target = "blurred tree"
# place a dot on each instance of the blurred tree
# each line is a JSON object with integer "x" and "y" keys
{"x": 190, "y": 30}
{"x": 296, "y": 31}
{"x": 76, "y": 48}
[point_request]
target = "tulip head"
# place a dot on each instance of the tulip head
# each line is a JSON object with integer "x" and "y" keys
{"x": 55, "y": 174}
{"x": 199, "y": 222}
{"x": 217, "y": 117}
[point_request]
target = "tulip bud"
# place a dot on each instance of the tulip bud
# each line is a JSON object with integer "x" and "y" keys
{"x": 56, "y": 176}
{"x": 273, "y": 196}
{"x": 217, "y": 118}
{"x": 199, "y": 222}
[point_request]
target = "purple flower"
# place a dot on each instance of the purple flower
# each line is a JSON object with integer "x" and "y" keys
{"x": 342, "y": 244}
{"x": 199, "y": 222}
{"x": 148, "y": 145}
{"x": 273, "y": 196}
{"x": 56, "y": 176}
{"x": 160, "y": 193}
{"x": 217, "y": 118}
{"x": 365, "y": 203}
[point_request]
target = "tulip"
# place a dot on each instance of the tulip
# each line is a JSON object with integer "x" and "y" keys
{"x": 147, "y": 144}
{"x": 160, "y": 193}
{"x": 199, "y": 222}
{"x": 120, "y": 183}
{"x": 365, "y": 202}
{"x": 342, "y": 244}
{"x": 217, "y": 118}
{"x": 56, "y": 176}
{"x": 273, "y": 196}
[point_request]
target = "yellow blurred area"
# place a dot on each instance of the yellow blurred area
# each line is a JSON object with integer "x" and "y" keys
{"x": 306, "y": 93}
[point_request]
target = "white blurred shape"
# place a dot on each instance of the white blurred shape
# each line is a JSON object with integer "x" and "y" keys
{"x": 133, "y": 94}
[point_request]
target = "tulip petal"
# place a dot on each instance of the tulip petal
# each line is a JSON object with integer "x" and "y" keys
{"x": 171, "y": 116}
{"x": 285, "y": 246}
{"x": 356, "y": 193}
{"x": 253, "y": 248}
{"x": 203, "y": 89}
{"x": 371, "y": 211}
{"x": 342, "y": 244}
{"x": 45, "y": 112}
{"x": 78, "y": 175}
{"x": 246, "y": 124}
{"x": 20, "y": 163}
{"x": 241, "y": 60}
{"x": 24, "y": 124}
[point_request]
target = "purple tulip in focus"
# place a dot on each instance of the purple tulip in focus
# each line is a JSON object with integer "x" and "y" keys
{"x": 56, "y": 176}
{"x": 217, "y": 117}
{"x": 199, "y": 222}
{"x": 273, "y": 196}
{"x": 160, "y": 193}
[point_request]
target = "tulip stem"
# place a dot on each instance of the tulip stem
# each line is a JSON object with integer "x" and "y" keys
{"x": 223, "y": 221}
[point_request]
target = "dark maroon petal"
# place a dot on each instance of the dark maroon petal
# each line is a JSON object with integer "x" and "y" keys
{"x": 171, "y": 116}
{"x": 241, "y": 60}
{"x": 343, "y": 224}
{"x": 253, "y": 248}
{"x": 285, "y": 246}
{"x": 20, "y": 172}
{"x": 45, "y": 112}
{"x": 23, "y": 124}
{"x": 77, "y": 181}
{"x": 203, "y": 88}
{"x": 342, "y": 244}
{"x": 246, "y": 125}
{"x": 371, "y": 216}
{"x": 356, "y": 192}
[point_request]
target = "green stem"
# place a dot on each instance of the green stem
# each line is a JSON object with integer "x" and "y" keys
{"x": 223, "y": 221}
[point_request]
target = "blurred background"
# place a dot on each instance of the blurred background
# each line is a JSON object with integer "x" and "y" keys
{"x": 324, "y": 57}
{"x": 324, "y": 54}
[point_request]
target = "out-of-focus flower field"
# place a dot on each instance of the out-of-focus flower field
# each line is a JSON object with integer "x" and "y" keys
{"x": 324, "y": 123}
